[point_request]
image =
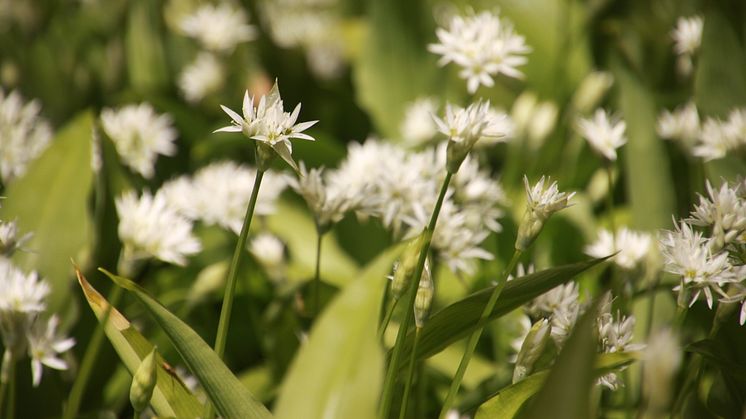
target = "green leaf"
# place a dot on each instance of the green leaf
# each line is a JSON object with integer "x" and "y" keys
{"x": 170, "y": 397}
{"x": 230, "y": 397}
{"x": 338, "y": 373}
{"x": 721, "y": 58}
{"x": 648, "y": 177}
{"x": 393, "y": 66}
{"x": 50, "y": 201}
{"x": 566, "y": 391}
{"x": 713, "y": 351}
{"x": 507, "y": 402}
{"x": 460, "y": 319}
{"x": 146, "y": 60}
{"x": 296, "y": 228}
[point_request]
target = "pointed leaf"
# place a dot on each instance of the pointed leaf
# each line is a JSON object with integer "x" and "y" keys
{"x": 507, "y": 402}
{"x": 170, "y": 397}
{"x": 339, "y": 371}
{"x": 460, "y": 318}
{"x": 230, "y": 397}
{"x": 51, "y": 201}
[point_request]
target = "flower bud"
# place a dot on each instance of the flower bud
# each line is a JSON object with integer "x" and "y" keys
{"x": 404, "y": 269}
{"x": 143, "y": 382}
{"x": 591, "y": 90}
{"x": 424, "y": 298}
{"x": 532, "y": 348}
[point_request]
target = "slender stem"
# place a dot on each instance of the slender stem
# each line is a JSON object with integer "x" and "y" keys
{"x": 410, "y": 374}
{"x": 11, "y": 410}
{"x": 230, "y": 286}
{"x": 90, "y": 357}
{"x": 387, "y": 319}
{"x": 610, "y": 199}
{"x": 7, "y": 376}
{"x": 411, "y": 293}
{"x": 317, "y": 276}
{"x": 474, "y": 338}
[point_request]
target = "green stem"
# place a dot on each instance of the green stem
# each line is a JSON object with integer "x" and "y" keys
{"x": 474, "y": 338}
{"x": 317, "y": 276}
{"x": 610, "y": 199}
{"x": 410, "y": 374}
{"x": 387, "y": 319}
{"x": 8, "y": 376}
{"x": 90, "y": 357}
{"x": 411, "y": 293}
{"x": 11, "y": 410}
{"x": 230, "y": 286}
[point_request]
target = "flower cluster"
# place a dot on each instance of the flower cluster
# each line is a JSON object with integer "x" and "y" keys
{"x": 269, "y": 124}
{"x": 687, "y": 37}
{"x": 483, "y": 45}
{"x": 24, "y": 134}
{"x": 614, "y": 335}
{"x": 139, "y": 135}
{"x": 681, "y": 125}
{"x": 542, "y": 203}
{"x": 22, "y": 324}
{"x": 150, "y": 227}
{"x": 218, "y": 28}
{"x": 632, "y": 246}
{"x": 201, "y": 77}
{"x": 219, "y": 193}
{"x": 604, "y": 133}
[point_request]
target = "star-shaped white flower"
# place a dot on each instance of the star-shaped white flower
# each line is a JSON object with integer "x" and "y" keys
{"x": 604, "y": 133}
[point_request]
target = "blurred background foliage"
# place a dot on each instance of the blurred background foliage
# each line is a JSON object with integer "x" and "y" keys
{"x": 78, "y": 57}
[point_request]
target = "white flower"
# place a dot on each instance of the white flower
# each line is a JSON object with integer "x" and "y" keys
{"x": 269, "y": 123}
{"x": 682, "y": 125}
{"x": 467, "y": 125}
{"x": 149, "y": 227}
{"x": 604, "y": 133}
{"x": 688, "y": 254}
{"x": 220, "y": 192}
{"x": 268, "y": 250}
{"x": 140, "y": 135}
{"x": 632, "y": 246}
{"x": 22, "y": 293}
{"x": 418, "y": 126}
{"x": 542, "y": 203}
{"x": 615, "y": 335}
{"x": 201, "y": 78}
{"x": 687, "y": 35}
{"x": 218, "y": 28}
{"x": 724, "y": 210}
{"x": 10, "y": 241}
{"x": 483, "y": 45}
{"x": 715, "y": 140}
{"x": 24, "y": 134}
{"x": 328, "y": 201}
{"x": 561, "y": 305}
{"x": 44, "y": 346}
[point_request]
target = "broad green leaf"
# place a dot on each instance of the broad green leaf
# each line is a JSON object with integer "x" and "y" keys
{"x": 230, "y": 397}
{"x": 720, "y": 58}
{"x": 394, "y": 66}
{"x": 648, "y": 178}
{"x": 296, "y": 228}
{"x": 170, "y": 397}
{"x": 50, "y": 201}
{"x": 507, "y": 402}
{"x": 460, "y": 319}
{"x": 338, "y": 373}
{"x": 146, "y": 60}
{"x": 711, "y": 349}
{"x": 566, "y": 391}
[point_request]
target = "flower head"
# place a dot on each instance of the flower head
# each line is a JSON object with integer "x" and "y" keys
{"x": 483, "y": 45}
{"x": 603, "y": 132}
{"x": 724, "y": 210}
{"x": 219, "y": 27}
{"x": 201, "y": 78}
{"x": 140, "y": 135}
{"x": 632, "y": 246}
{"x": 687, "y": 35}
{"x": 10, "y": 240}
{"x": 269, "y": 124}
{"x": 44, "y": 346}
{"x": 24, "y": 134}
{"x": 149, "y": 227}
{"x": 681, "y": 125}
{"x": 542, "y": 203}
{"x": 615, "y": 335}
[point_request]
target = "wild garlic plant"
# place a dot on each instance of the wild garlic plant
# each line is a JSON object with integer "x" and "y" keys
{"x": 470, "y": 216}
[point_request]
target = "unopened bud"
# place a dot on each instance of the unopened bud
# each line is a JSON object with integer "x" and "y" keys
{"x": 532, "y": 348}
{"x": 143, "y": 382}
{"x": 404, "y": 270}
{"x": 592, "y": 89}
{"x": 424, "y": 298}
